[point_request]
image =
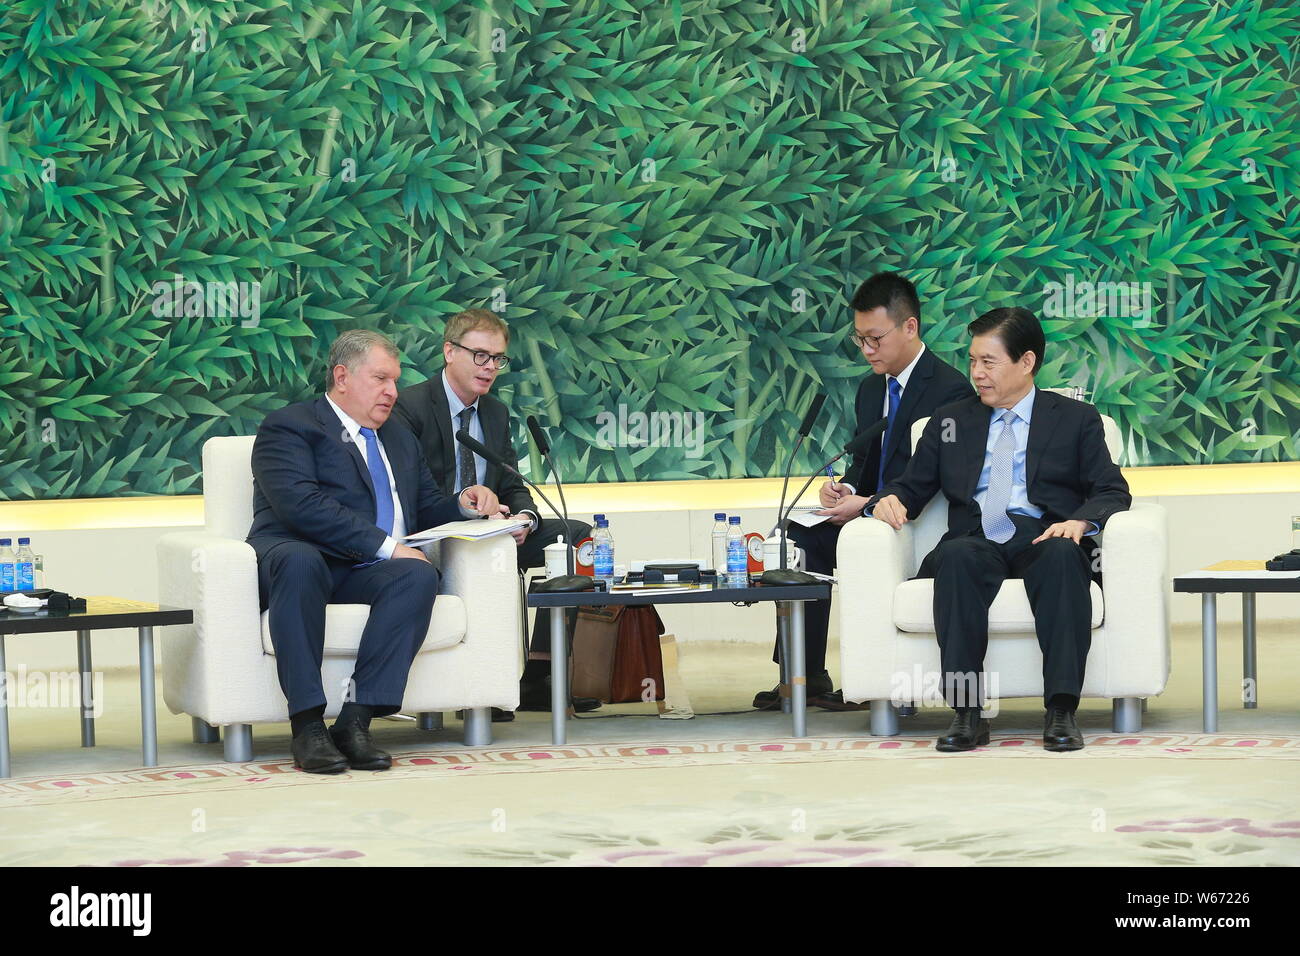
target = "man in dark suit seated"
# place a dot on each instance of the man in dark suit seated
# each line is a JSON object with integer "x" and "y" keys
{"x": 1028, "y": 480}
{"x": 907, "y": 383}
{"x": 474, "y": 350}
{"x": 336, "y": 486}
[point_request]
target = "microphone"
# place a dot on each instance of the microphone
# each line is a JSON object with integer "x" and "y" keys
{"x": 539, "y": 437}
{"x": 811, "y": 415}
{"x": 565, "y": 582}
{"x": 776, "y": 577}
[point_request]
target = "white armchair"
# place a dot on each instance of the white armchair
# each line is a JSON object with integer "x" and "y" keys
{"x": 889, "y": 654}
{"x": 221, "y": 669}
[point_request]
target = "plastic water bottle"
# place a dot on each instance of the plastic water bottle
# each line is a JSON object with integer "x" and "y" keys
{"x": 7, "y": 570}
{"x": 737, "y": 556}
{"x": 720, "y": 543}
{"x": 602, "y": 541}
{"x": 25, "y": 566}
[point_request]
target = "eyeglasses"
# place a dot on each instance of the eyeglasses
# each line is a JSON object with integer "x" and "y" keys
{"x": 862, "y": 341}
{"x": 481, "y": 357}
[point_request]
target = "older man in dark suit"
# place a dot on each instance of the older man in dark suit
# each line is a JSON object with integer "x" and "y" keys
{"x": 336, "y": 486}
{"x": 1028, "y": 480}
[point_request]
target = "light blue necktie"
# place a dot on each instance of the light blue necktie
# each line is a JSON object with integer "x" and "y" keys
{"x": 379, "y": 478}
{"x": 998, "y": 525}
{"x": 895, "y": 398}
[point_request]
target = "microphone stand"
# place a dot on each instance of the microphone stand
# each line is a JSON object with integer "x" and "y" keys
{"x": 783, "y": 576}
{"x": 565, "y": 582}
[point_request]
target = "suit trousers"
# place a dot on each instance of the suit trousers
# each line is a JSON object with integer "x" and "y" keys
{"x": 531, "y": 555}
{"x": 968, "y": 572}
{"x": 818, "y": 544}
{"x": 296, "y": 580}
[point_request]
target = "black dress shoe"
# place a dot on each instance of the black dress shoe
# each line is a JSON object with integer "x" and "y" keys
{"x": 536, "y": 696}
{"x": 835, "y": 701}
{"x": 314, "y": 751}
{"x": 818, "y": 686}
{"x": 967, "y": 731}
{"x": 354, "y": 743}
{"x": 1060, "y": 732}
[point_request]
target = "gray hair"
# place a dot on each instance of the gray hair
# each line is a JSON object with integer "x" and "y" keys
{"x": 351, "y": 348}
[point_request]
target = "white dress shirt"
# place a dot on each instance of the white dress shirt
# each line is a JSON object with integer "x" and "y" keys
{"x": 476, "y": 432}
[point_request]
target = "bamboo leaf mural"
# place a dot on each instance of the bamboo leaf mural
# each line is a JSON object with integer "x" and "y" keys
{"x": 669, "y": 202}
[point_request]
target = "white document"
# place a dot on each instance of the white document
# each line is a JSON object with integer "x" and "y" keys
{"x": 470, "y": 529}
{"x": 807, "y": 518}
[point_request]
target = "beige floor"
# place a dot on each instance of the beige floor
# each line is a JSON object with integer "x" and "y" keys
{"x": 714, "y": 790}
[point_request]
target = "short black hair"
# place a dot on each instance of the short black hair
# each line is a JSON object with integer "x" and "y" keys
{"x": 1018, "y": 329}
{"x": 894, "y": 292}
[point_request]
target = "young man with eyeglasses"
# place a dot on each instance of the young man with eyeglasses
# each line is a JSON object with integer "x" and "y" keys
{"x": 474, "y": 351}
{"x": 907, "y": 383}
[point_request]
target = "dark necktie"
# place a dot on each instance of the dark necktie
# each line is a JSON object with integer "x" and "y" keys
{"x": 895, "y": 398}
{"x": 379, "y": 478}
{"x": 466, "y": 473}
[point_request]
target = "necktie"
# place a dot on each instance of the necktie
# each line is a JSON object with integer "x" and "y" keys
{"x": 998, "y": 525}
{"x": 895, "y": 397}
{"x": 379, "y": 478}
{"x": 466, "y": 474}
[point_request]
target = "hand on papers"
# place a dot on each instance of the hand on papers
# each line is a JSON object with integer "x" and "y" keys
{"x": 891, "y": 511}
{"x": 519, "y": 534}
{"x": 481, "y": 499}
{"x": 405, "y": 551}
{"x": 1073, "y": 530}
{"x": 845, "y": 509}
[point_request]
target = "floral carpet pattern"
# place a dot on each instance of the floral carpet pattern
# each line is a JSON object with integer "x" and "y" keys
{"x": 1145, "y": 799}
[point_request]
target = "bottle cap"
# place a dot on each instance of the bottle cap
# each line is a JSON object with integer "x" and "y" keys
{"x": 719, "y": 517}
{"x": 735, "y": 519}
{"x": 24, "y": 540}
{"x": 5, "y": 542}
{"x": 598, "y": 518}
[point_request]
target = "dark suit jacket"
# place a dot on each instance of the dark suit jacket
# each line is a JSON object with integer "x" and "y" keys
{"x": 933, "y": 383}
{"x": 1067, "y": 466}
{"x": 311, "y": 484}
{"x": 423, "y": 409}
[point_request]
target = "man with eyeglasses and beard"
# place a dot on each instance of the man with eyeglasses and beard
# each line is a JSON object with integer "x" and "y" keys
{"x": 474, "y": 351}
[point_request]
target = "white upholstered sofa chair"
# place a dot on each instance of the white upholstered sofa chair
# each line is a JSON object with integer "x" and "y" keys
{"x": 889, "y": 654}
{"x": 221, "y": 669}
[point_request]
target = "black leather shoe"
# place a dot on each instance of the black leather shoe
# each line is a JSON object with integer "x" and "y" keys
{"x": 835, "y": 701}
{"x": 818, "y": 686}
{"x": 536, "y": 695}
{"x": 1060, "y": 732}
{"x": 354, "y": 743}
{"x": 967, "y": 731}
{"x": 314, "y": 751}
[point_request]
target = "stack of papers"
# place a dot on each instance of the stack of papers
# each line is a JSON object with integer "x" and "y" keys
{"x": 470, "y": 529}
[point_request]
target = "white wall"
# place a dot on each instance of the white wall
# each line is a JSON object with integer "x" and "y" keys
{"x": 123, "y": 563}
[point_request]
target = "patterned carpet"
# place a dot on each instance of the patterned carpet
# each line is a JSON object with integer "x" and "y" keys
{"x": 840, "y": 801}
